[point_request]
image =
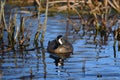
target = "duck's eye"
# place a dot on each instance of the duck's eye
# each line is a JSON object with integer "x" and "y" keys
{"x": 60, "y": 41}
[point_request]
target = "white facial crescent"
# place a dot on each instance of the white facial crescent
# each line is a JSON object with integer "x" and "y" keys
{"x": 60, "y": 41}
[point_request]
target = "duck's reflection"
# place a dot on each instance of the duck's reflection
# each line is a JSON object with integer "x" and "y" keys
{"x": 59, "y": 58}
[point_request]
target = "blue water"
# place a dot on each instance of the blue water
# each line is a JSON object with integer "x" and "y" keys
{"x": 88, "y": 61}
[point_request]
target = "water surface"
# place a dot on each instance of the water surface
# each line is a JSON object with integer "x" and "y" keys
{"x": 88, "y": 61}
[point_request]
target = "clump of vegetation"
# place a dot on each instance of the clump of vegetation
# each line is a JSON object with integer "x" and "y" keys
{"x": 15, "y": 34}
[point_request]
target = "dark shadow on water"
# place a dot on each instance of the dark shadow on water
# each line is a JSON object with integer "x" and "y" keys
{"x": 59, "y": 58}
{"x": 29, "y": 77}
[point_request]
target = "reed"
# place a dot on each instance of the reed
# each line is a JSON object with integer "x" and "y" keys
{"x": 45, "y": 22}
{"x": 39, "y": 24}
{"x": 17, "y": 36}
{"x": 115, "y": 4}
{"x": 2, "y": 20}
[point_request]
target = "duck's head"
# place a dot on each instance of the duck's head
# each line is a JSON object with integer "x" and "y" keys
{"x": 60, "y": 39}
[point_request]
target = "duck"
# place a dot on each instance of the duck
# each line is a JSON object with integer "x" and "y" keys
{"x": 60, "y": 45}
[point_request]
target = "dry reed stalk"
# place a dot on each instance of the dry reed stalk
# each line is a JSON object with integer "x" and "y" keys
{"x": 2, "y": 20}
{"x": 17, "y": 28}
{"x": 45, "y": 21}
{"x": 11, "y": 30}
{"x": 115, "y": 4}
{"x": 22, "y": 26}
{"x": 39, "y": 24}
{"x": 3, "y": 16}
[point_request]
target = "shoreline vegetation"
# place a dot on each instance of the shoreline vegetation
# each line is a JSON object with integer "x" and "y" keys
{"x": 97, "y": 15}
{"x": 89, "y": 6}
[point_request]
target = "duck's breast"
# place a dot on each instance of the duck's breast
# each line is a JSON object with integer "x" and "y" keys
{"x": 64, "y": 49}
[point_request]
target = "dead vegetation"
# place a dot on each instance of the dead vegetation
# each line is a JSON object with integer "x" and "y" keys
{"x": 96, "y": 15}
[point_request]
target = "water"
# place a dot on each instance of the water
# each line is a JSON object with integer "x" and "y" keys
{"x": 88, "y": 61}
